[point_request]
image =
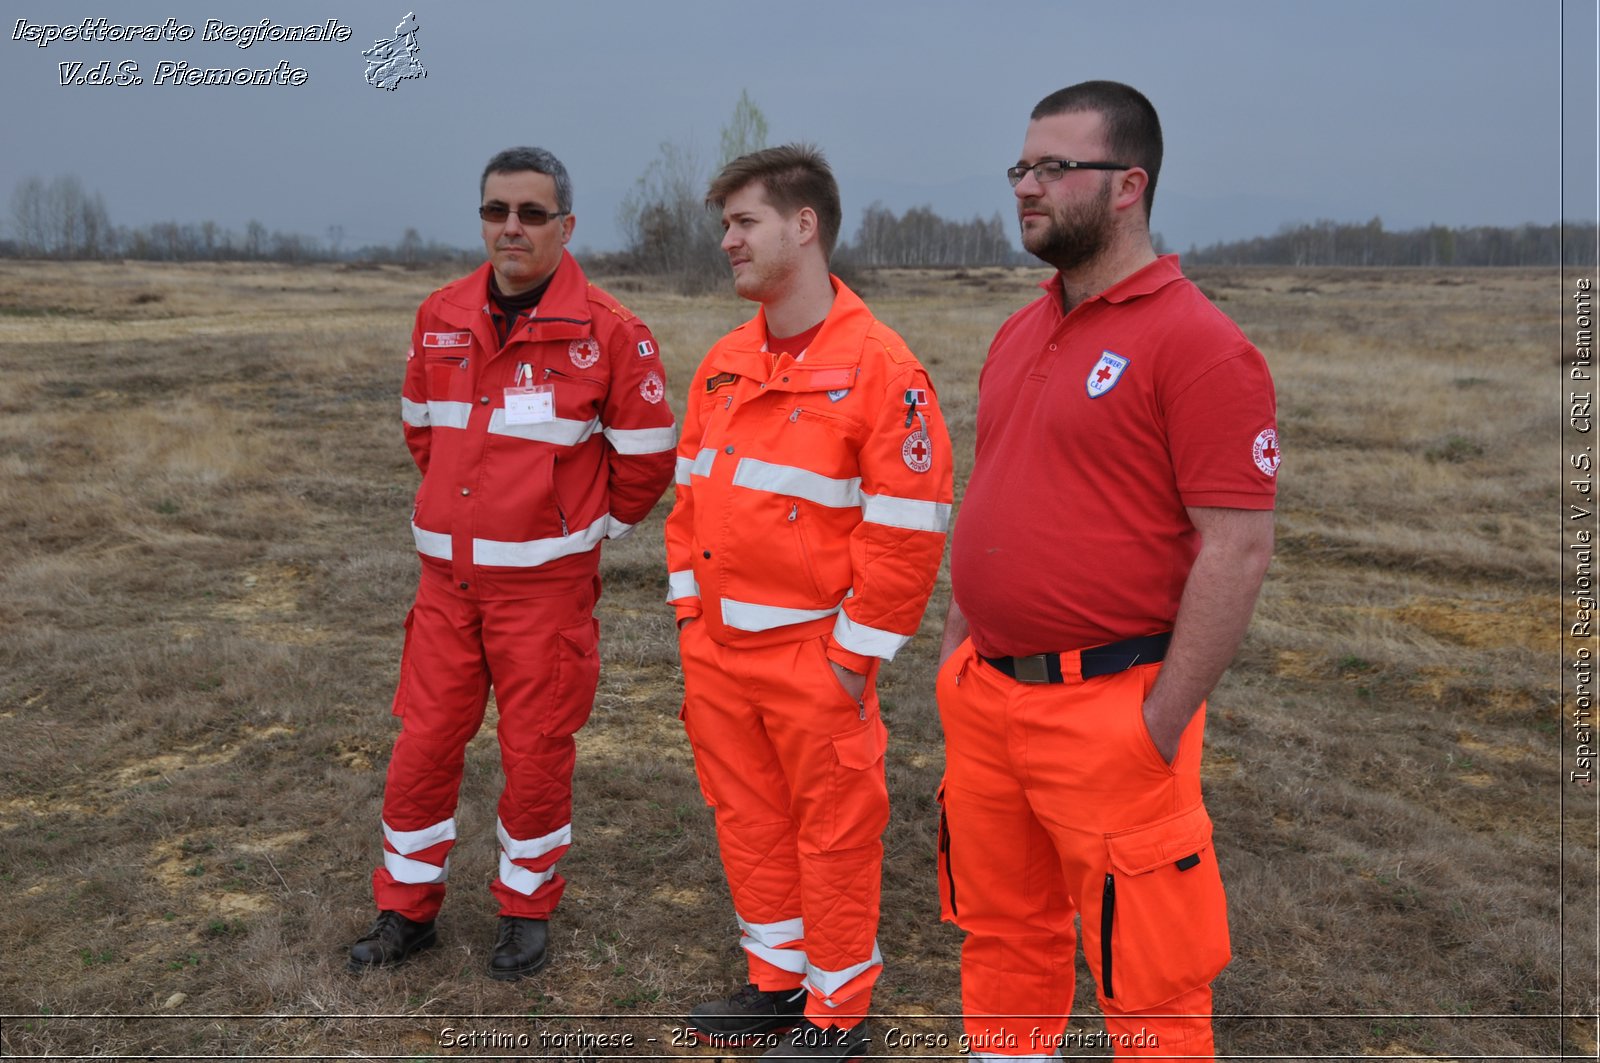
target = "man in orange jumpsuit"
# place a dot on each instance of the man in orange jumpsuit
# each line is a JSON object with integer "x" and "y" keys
{"x": 813, "y": 494}
{"x": 1111, "y": 543}
{"x": 534, "y": 404}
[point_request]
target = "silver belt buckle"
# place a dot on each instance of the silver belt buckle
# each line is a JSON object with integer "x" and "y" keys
{"x": 1031, "y": 669}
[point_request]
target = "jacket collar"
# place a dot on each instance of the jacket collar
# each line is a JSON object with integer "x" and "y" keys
{"x": 837, "y": 346}
{"x": 563, "y": 313}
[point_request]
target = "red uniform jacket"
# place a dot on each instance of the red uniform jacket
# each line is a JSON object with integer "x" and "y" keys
{"x": 507, "y": 508}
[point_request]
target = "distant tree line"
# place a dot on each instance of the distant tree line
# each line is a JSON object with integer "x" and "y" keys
{"x": 60, "y": 219}
{"x": 1331, "y": 243}
{"x": 919, "y": 237}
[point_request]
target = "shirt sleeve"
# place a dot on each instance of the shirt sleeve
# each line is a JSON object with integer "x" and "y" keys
{"x": 683, "y": 593}
{"x": 639, "y": 426}
{"x": 906, "y": 489}
{"x": 414, "y": 415}
{"x": 1222, "y": 431}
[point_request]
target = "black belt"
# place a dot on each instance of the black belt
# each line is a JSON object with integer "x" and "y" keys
{"x": 1109, "y": 659}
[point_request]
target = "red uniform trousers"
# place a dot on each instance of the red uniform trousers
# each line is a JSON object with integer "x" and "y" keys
{"x": 1056, "y": 803}
{"x": 793, "y": 768}
{"x": 541, "y": 656}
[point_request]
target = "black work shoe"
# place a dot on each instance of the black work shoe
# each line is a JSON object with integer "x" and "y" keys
{"x": 810, "y": 1041}
{"x": 748, "y": 1013}
{"x": 519, "y": 948}
{"x": 392, "y": 939}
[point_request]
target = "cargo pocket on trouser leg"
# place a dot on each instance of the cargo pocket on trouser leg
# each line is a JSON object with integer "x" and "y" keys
{"x": 577, "y": 677}
{"x": 859, "y": 806}
{"x": 947, "y": 875}
{"x": 1163, "y": 924}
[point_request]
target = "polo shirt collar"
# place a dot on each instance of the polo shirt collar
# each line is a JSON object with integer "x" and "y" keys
{"x": 1145, "y": 281}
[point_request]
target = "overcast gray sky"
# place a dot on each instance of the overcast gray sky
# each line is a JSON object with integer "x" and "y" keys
{"x": 1457, "y": 112}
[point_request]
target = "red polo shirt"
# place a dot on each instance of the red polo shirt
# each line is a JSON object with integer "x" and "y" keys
{"x": 1096, "y": 429}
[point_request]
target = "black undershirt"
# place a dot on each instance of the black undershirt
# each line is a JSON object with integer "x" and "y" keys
{"x": 510, "y": 307}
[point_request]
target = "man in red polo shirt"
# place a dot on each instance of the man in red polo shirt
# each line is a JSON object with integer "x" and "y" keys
{"x": 1105, "y": 562}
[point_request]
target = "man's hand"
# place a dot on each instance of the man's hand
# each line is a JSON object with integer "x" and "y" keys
{"x": 854, "y": 683}
{"x": 1235, "y": 548}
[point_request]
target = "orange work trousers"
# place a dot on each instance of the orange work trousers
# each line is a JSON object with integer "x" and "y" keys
{"x": 542, "y": 658}
{"x": 793, "y": 768}
{"x": 1056, "y": 804}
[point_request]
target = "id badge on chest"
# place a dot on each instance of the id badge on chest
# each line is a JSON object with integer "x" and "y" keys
{"x": 531, "y": 405}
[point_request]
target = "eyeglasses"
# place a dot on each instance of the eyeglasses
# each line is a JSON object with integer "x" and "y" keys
{"x": 1046, "y": 170}
{"x": 527, "y": 214}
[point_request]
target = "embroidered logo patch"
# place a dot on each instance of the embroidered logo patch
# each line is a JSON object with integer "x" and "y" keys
{"x": 652, "y": 388}
{"x": 917, "y": 451}
{"x": 584, "y": 352}
{"x": 447, "y": 339}
{"x": 837, "y": 393}
{"x": 1265, "y": 451}
{"x": 721, "y": 380}
{"x": 646, "y": 348}
{"x": 915, "y": 397}
{"x": 1105, "y": 374}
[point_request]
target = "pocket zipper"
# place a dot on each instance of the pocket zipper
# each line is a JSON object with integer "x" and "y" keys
{"x": 944, "y": 847}
{"x": 1108, "y": 908}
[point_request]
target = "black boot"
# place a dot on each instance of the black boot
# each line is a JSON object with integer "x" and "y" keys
{"x": 392, "y": 939}
{"x": 748, "y": 1013}
{"x": 519, "y": 948}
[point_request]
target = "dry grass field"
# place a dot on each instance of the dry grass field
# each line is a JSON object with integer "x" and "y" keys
{"x": 206, "y": 563}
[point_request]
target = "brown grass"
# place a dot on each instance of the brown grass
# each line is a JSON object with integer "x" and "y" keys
{"x": 207, "y": 563}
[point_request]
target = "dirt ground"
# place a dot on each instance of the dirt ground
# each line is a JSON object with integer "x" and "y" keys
{"x": 205, "y": 513}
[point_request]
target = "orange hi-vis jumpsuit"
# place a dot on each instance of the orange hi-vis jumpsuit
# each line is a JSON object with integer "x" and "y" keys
{"x": 812, "y": 502}
{"x": 514, "y": 503}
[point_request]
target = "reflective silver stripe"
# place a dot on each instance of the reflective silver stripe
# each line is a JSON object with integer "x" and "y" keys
{"x": 867, "y": 641}
{"x": 801, "y": 483}
{"x": 766, "y": 940}
{"x": 414, "y": 872}
{"x": 449, "y": 414}
{"x": 680, "y": 472}
{"x": 399, "y": 863}
{"x": 414, "y": 414}
{"x": 824, "y": 983}
{"x": 431, "y": 543}
{"x": 702, "y": 462}
{"x": 748, "y": 616}
{"x": 682, "y": 585}
{"x": 560, "y": 431}
{"x": 411, "y": 841}
{"x": 642, "y": 440}
{"x": 520, "y": 878}
{"x": 615, "y": 529}
{"x": 911, "y": 513}
{"x": 518, "y": 849}
{"x": 535, "y": 552}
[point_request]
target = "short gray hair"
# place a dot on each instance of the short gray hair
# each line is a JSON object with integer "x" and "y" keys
{"x": 520, "y": 160}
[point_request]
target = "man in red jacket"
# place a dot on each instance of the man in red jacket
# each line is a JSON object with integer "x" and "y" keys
{"x": 813, "y": 492}
{"x": 535, "y": 407}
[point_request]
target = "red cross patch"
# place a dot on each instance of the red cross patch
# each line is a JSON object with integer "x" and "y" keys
{"x": 1105, "y": 374}
{"x": 584, "y": 352}
{"x": 652, "y": 388}
{"x": 1265, "y": 451}
{"x": 917, "y": 451}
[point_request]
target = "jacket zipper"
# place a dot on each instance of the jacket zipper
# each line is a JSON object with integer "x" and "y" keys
{"x": 1108, "y": 908}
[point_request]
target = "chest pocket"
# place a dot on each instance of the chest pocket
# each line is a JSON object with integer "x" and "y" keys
{"x": 810, "y": 427}
{"x": 447, "y": 373}
{"x": 578, "y": 396}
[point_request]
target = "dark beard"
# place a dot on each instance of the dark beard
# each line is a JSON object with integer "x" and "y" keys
{"x": 1075, "y": 240}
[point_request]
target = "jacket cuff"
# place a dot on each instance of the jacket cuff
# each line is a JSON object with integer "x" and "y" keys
{"x": 686, "y": 610}
{"x": 856, "y": 662}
